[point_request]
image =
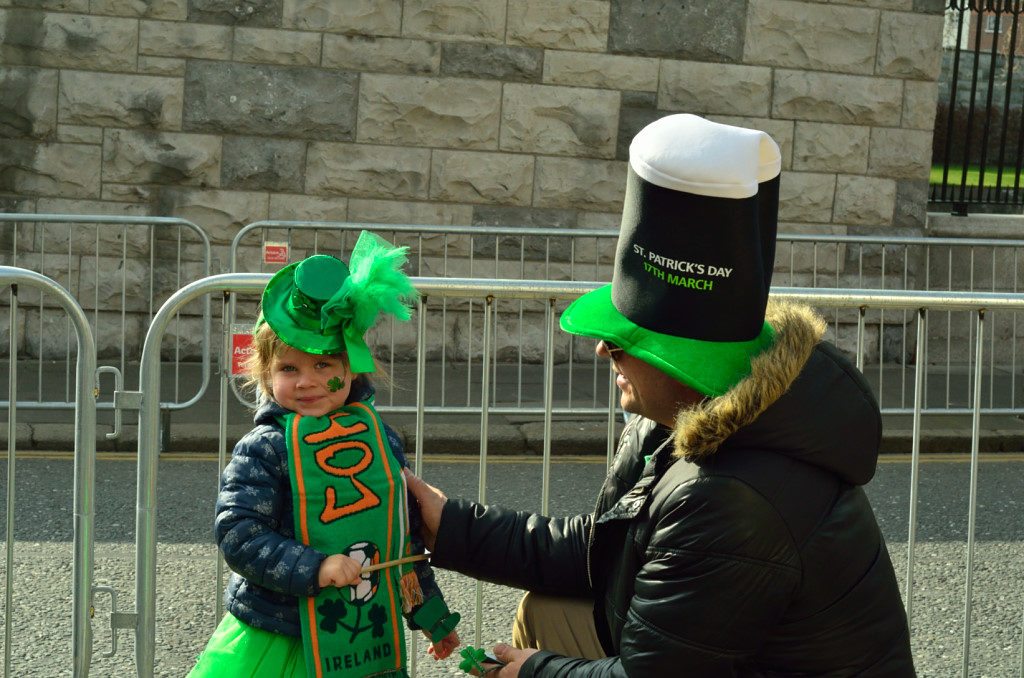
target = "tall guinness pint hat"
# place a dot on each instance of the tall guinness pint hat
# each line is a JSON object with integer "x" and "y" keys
{"x": 695, "y": 253}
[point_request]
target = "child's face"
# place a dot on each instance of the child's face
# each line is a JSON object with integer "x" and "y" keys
{"x": 311, "y": 385}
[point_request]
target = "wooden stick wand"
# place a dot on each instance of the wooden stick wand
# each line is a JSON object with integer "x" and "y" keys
{"x": 393, "y": 563}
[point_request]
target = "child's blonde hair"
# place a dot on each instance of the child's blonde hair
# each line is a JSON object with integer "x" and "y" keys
{"x": 266, "y": 346}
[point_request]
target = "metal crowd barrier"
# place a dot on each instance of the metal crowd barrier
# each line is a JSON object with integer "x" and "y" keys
{"x": 568, "y": 254}
{"x": 981, "y": 307}
{"x": 174, "y": 252}
{"x": 494, "y": 317}
{"x": 120, "y": 268}
{"x": 84, "y": 403}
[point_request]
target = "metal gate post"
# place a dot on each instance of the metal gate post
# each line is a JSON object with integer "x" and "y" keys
{"x": 85, "y": 463}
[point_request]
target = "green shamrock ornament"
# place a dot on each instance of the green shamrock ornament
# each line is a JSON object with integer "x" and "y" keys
{"x": 335, "y": 384}
{"x": 474, "y": 659}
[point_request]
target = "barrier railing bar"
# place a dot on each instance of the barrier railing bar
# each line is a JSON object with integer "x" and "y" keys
{"x": 226, "y": 366}
{"x": 972, "y": 502}
{"x": 421, "y": 390}
{"x": 992, "y": 339}
{"x": 970, "y": 338}
{"x": 485, "y": 351}
{"x": 608, "y": 233}
{"x": 927, "y": 281}
{"x": 39, "y": 332}
{"x": 1013, "y": 347}
{"x": 471, "y": 334}
{"x": 906, "y": 240}
{"x": 12, "y": 423}
{"x": 124, "y": 283}
{"x": 67, "y": 328}
{"x": 601, "y": 411}
{"x": 84, "y": 468}
{"x": 421, "y": 378}
{"x": 881, "y": 333}
{"x": 949, "y": 331}
{"x": 549, "y": 388}
{"x": 861, "y": 320}
{"x": 494, "y": 363}
{"x": 915, "y": 456}
{"x": 542, "y": 290}
{"x": 904, "y": 347}
{"x": 416, "y": 228}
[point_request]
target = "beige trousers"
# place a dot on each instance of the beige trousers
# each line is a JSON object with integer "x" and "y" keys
{"x": 561, "y": 625}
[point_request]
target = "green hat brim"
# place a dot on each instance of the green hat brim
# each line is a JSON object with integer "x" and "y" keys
{"x": 275, "y": 312}
{"x": 710, "y": 367}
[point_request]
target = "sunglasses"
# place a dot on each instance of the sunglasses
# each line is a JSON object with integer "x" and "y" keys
{"x": 611, "y": 347}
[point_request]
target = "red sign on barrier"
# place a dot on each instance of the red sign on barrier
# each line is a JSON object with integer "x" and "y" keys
{"x": 241, "y": 348}
{"x": 275, "y": 253}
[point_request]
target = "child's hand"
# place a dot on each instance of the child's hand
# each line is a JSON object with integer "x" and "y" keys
{"x": 339, "y": 570}
{"x": 444, "y": 647}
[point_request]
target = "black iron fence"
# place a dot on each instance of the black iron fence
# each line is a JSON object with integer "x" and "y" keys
{"x": 978, "y": 150}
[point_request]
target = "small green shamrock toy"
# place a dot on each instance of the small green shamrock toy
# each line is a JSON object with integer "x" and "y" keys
{"x": 474, "y": 659}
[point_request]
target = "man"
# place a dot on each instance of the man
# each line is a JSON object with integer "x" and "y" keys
{"x": 731, "y": 537}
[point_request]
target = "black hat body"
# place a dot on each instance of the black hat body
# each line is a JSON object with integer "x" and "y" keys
{"x": 695, "y": 254}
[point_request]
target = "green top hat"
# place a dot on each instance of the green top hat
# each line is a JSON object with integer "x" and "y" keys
{"x": 695, "y": 253}
{"x": 321, "y": 306}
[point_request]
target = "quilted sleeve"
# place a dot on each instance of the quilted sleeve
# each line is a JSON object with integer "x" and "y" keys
{"x": 250, "y": 506}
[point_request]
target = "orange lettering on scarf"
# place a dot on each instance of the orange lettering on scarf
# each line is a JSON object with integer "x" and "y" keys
{"x": 325, "y": 454}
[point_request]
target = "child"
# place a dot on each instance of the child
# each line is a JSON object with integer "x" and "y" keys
{"x": 315, "y": 492}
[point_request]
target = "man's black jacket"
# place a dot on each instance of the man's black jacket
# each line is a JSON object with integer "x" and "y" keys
{"x": 744, "y": 547}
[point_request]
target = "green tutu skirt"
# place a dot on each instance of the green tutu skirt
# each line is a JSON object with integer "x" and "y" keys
{"x": 237, "y": 649}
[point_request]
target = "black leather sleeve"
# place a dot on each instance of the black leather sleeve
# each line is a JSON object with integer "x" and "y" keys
{"x": 514, "y": 548}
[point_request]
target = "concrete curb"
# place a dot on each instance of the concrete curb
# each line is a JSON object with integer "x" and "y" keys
{"x": 462, "y": 436}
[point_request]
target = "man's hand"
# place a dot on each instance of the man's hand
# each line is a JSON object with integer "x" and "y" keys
{"x": 339, "y": 570}
{"x": 431, "y": 501}
{"x": 513, "y": 658}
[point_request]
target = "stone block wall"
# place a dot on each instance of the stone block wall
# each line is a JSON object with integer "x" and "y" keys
{"x": 479, "y": 112}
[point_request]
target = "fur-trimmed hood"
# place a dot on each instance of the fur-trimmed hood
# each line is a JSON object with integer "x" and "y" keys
{"x": 803, "y": 399}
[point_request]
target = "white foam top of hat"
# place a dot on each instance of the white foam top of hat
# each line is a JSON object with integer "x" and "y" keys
{"x": 685, "y": 152}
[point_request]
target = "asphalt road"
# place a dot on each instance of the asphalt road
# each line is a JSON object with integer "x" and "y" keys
{"x": 187, "y": 589}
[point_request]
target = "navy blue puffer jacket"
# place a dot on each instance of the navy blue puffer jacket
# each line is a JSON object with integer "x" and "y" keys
{"x": 254, "y": 528}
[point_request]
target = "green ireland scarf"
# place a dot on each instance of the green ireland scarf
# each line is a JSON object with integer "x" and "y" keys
{"x": 349, "y": 497}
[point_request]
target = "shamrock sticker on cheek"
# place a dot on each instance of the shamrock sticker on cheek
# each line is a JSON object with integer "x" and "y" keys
{"x": 335, "y": 384}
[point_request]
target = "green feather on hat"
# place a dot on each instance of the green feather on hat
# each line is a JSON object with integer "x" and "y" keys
{"x": 321, "y": 306}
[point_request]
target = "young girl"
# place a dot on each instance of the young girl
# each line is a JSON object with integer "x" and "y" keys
{"x": 314, "y": 493}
